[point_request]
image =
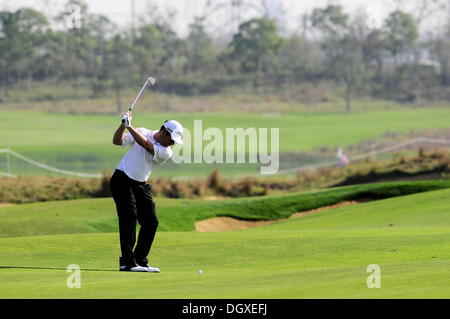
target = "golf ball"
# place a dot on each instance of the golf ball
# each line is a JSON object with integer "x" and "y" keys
{"x": 200, "y": 271}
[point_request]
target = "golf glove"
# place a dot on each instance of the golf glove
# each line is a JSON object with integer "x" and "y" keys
{"x": 126, "y": 119}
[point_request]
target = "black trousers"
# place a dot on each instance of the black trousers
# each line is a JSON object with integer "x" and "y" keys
{"x": 134, "y": 202}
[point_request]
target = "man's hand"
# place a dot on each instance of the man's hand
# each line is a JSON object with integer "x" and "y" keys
{"x": 126, "y": 118}
{"x": 126, "y": 122}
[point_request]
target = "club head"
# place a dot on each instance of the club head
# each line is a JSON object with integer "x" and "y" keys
{"x": 152, "y": 80}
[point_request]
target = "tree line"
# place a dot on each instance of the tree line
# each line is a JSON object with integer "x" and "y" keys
{"x": 390, "y": 61}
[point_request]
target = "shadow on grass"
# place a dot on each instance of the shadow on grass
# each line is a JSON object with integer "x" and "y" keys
{"x": 52, "y": 268}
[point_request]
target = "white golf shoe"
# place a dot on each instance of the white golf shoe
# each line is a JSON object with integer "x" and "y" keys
{"x": 152, "y": 269}
{"x": 140, "y": 269}
{"x": 134, "y": 269}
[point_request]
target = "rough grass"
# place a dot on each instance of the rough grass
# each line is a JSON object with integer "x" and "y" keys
{"x": 29, "y": 189}
{"x": 421, "y": 165}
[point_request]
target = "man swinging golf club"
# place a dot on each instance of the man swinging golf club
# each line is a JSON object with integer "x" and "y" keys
{"x": 131, "y": 193}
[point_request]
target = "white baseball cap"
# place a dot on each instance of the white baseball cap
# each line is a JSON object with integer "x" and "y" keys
{"x": 175, "y": 129}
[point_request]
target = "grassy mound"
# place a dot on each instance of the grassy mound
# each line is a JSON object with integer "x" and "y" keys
{"x": 98, "y": 215}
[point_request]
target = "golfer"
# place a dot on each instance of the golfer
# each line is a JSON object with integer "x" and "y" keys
{"x": 132, "y": 195}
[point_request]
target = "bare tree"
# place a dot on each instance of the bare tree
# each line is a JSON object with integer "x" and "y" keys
{"x": 423, "y": 10}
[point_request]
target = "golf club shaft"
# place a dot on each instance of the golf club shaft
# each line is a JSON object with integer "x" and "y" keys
{"x": 139, "y": 94}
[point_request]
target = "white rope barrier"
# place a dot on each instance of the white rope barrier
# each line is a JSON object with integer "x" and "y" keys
{"x": 285, "y": 171}
{"x": 46, "y": 167}
{"x": 371, "y": 154}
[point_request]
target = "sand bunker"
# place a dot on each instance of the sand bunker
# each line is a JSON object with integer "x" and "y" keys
{"x": 220, "y": 224}
{"x": 217, "y": 224}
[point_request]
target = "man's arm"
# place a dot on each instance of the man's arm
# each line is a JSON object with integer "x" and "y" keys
{"x": 141, "y": 140}
{"x": 118, "y": 135}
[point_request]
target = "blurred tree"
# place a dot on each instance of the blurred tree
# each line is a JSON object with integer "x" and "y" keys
{"x": 330, "y": 21}
{"x": 298, "y": 61}
{"x": 401, "y": 35}
{"x": 343, "y": 53}
{"x": 92, "y": 53}
{"x": 423, "y": 10}
{"x": 440, "y": 50}
{"x": 255, "y": 46}
{"x": 78, "y": 44}
{"x": 299, "y": 57}
{"x": 201, "y": 49}
{"x": 84, "y": 46}
{"x": 116, "y": 67}
{"x": 372, "y": 41}
{"x": 347, "y": 66}
{"x": 21, "y": 33}
{"x": 401, "y": 41}
{"x": 49, "y": 63}
{"x": 374, "y": 52}
{"x": 158, "y": 50}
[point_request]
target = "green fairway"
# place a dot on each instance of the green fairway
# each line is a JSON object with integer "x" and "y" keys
{"x": 323, "y": 255}
{"x": 298, "y": 131}
{"x": 83, "y": 142}
{"x": 214, "y": 158}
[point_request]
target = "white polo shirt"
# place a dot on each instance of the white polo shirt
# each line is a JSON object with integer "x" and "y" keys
{"x": 138, "y": 163}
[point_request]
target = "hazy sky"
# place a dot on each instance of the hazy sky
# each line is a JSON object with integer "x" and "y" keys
{"x": 119, "y": 11}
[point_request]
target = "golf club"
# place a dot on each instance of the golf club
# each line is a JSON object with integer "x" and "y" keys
{"x": 150, "y": 79}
